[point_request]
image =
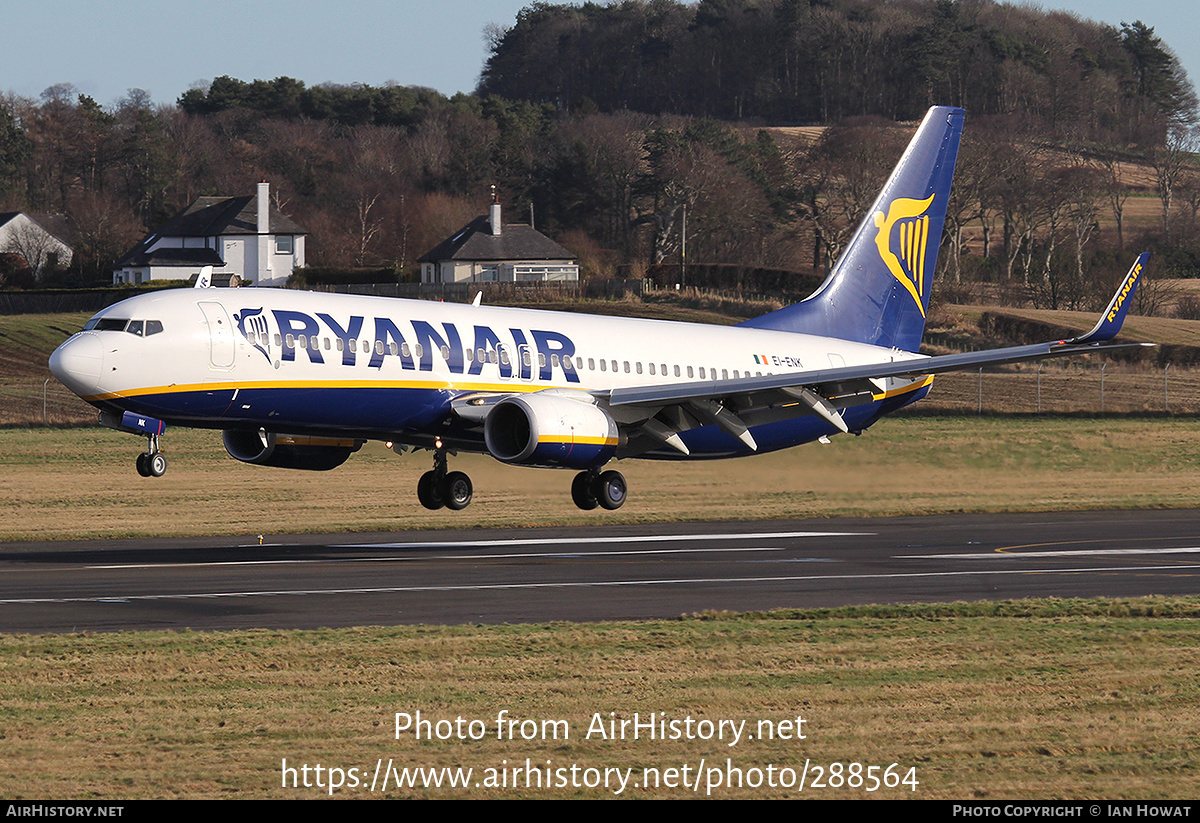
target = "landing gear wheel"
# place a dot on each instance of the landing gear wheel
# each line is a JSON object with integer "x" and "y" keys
{"x": 143, "y": 464}
{"x": 456, "y": 491}
{"x": 157, "y": 464}
{"x": 428, "y": 492}
{"x": 610, "y": 489}
{"x": 581, "y": 492}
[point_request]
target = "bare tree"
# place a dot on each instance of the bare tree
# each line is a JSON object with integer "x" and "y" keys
{"x": 1170, "y": 163}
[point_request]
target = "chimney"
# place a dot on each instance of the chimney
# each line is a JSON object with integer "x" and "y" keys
{"x": 495, "y": 215}
{"x": 264, "y": 207}
{"x": 263, "y": 265}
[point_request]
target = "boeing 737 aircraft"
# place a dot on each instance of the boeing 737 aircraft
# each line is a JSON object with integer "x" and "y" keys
{"x": 301, "y": 380}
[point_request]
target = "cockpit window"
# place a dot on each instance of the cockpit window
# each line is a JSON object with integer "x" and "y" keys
{"x": 141, "y": 328}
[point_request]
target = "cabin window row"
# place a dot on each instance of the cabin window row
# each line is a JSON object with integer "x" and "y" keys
{"x": 492, "y": 356}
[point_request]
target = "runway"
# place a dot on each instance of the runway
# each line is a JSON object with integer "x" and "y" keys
{"x": 598, "y": 573}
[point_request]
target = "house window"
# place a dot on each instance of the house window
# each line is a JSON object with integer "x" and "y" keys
{"x": 283, "y": 244}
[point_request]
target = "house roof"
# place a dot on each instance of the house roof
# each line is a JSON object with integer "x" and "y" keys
{"x": 516, "y": 241}
{"x": 56, "y": 225}
{"x": 214, "y": 216}
{"x": 139, "y": 257}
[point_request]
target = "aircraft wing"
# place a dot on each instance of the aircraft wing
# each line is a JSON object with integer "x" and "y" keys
{"x": 656, "y": 414}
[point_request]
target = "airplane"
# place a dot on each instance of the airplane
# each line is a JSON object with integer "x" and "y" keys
{"x": 302, "y": 380}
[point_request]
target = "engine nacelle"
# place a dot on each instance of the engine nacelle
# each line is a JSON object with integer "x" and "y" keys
{"x": 545, "y": 429}
{"x": 289, "y": 451}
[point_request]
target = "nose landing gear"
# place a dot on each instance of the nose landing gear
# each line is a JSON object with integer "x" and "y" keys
{"x": 151, "y": 463}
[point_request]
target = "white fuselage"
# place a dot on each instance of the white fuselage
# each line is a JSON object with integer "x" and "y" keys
{"x": 326, "y": 363}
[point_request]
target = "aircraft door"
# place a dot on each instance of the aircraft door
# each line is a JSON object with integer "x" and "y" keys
{"x": 220, "y": 334}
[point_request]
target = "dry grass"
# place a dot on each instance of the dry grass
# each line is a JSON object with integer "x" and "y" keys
{"x": 81, "y": 483}
{"x": 1024, "y": 701}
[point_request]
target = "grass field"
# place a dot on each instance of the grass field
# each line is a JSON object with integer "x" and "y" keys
{"x": 1029, "y": 700}
{"x": 81, "y": 483}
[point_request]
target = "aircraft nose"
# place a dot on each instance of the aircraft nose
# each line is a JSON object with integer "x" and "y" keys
{"x": 78, "y": 363}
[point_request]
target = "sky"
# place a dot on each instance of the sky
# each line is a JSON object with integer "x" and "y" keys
{"x": 105, "y": 48}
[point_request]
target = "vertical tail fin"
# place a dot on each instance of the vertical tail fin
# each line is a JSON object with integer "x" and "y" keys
{"x": 879, "y": 290}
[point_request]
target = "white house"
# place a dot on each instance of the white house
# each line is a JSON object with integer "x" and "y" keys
{"x": 486, "y": 250}
{"x": 242, "y": 236}
{"x": 42, "y": 240}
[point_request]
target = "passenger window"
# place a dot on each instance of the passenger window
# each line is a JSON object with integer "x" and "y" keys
{"x": 690, "y": 372}
{"x": 639, "y": 366}
{"x": 405, "y": 352}
{"x": 445, "y": 350}
{"x": 603, "y": 365}
{"x": 341, "y": 344}
{"x": 627, "y": 367}
{"x": 677, "y": 371}
{"x": 379, "y": 347}
{"x": 504, "y": 356}
{"x": 278, "y": 339}
{"x": 724, "y": 374}
{"x": 541, "y": 360}
{"x": 418, "y": 350}
{"x": 291, "y": 341}
{"x": 651, "y": 368}
{"x": 592, "y": 363}
{"x": 393, "y": 349}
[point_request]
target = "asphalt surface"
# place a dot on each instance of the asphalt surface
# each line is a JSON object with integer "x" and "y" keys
{"x": 601, "y": 573}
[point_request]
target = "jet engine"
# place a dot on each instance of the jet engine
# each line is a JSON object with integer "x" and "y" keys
{"x": 289, "y": 451}
{"x": 545, "y": 429}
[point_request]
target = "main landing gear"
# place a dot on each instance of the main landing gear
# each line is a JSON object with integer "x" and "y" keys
{"x": 151, "y": 463}
{"x": 594, "y": 488}
{"x": 439, "y": 488}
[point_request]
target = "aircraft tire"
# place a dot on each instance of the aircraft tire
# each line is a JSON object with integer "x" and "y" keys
{"x": 143, "y": 464}
{"x": 156, "y": 464}
{"x": 581, "y": 492}
{"x": 610, "y": 490}
{"x": 456, "y": 491}
{"x": 428, "y": 492}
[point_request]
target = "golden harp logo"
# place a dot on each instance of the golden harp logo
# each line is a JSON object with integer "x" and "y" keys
{"x": 907, "y": 221}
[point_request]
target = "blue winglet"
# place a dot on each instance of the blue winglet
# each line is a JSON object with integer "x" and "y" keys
{"x": 1114, "y": 316}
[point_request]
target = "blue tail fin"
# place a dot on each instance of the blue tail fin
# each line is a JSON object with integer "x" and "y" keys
{"x": 879, "y": 290}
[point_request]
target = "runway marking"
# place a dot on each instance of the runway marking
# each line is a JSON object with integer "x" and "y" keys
{"x": 625, "y": 538}
{"x": 518, "y": 555}
{"x": 1002, "y": 555}
{"x": 543, "y": 541}
{"x": 578, "y": 584}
